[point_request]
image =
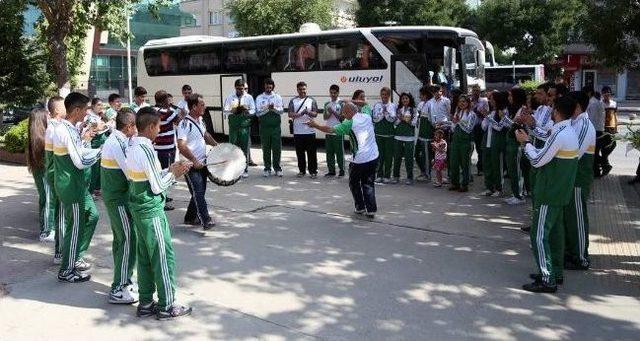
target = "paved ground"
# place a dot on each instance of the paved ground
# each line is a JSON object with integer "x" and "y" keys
{"x": 290, "y": 261}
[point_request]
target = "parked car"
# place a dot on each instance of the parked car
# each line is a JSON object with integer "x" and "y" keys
{"x": 16, "y": 114}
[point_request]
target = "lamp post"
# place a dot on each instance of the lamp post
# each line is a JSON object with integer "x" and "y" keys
{"x": 130, "y": 82}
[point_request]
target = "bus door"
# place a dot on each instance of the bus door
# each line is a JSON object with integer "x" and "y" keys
{"x": 226, "y": 88}
{"x": 408, "y": 72}
{"x": 255, "y": 80}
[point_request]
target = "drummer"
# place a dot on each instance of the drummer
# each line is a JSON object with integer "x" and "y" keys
{"x": 192, "y": 140}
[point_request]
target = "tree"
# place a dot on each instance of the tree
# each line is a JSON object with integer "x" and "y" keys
{"x": 278, "y": 16}
{"x": 22, "y": 76}
{"x": 412, "y": 12}
{"x": 66, "y": 22}
{"x": 534, "y": 30}
{"x": 613, "y": 27}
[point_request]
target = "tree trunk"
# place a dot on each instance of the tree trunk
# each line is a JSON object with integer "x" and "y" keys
{"x": 60, "y": 67}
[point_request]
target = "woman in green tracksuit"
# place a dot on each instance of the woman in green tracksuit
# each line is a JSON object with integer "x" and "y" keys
{"x": 464, "y": 120}
{"x": 36, "y": 165}
{"x": 405, "y": 136}
{"x": 384, "y": 116}
{"x": 512, "y": 122}
{"x": 493, "y": 143}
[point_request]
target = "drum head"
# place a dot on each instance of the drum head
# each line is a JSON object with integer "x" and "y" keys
{"x": 225, "y": 163}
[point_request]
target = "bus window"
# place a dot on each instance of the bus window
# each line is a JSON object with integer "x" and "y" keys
{"x": 294, "y": 56}
{"x": 350, "y": 52}
{"x": 161, "y": 62}
{"x": 199, "y": 60}
{"x": 402, "y": 42}
{"x": 246, "y": 57}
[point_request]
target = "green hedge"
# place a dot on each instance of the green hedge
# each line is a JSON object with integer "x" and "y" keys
{"x": 15, "y": 140}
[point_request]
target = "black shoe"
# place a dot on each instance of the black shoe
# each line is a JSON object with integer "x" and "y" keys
{"x": 168, "y": 207}
{"x": 174, "y": 311}
{"x": 194, "y": 222}
{"x": 330, "y": 175}
{"x": 606, "y": 169}
{"x": 575, "y": 266}
{"x": 538, "y": 278}
{"x": 82, "y": 265}
{"x": 526, "y": 229}
{"x": 209, "y": 225}
{"x": 74, "y": 277}
{"x": 147, "y": 310}
{"x": 341, "y": 173}
{"x": 540, "y": 287}
{"x": 251, "y": 164}
{"x": 168, "y": 199}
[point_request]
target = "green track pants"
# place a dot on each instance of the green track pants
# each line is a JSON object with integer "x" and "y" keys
{"x": 123, "y": 245}
{"x": 422, "y": 156}
{"x": 81, "y": 219}
{"x": 47, "y": 202}
{"x": 403, "y": 150}
{"x": 271, "y": 147}
{"x": 576, "y": 223}
{"x": 95, "y": 177}
{"x": 460, "y": 159}
{"x": 334, "y": 145}
{"x": 156, "y": 260}
{"x": 547, "y": 241}
{"x": 514, "y": 159}
{"x": 240, "y": 138}
{"x": 386, "y": 145}
{"x": 492, "y": 167}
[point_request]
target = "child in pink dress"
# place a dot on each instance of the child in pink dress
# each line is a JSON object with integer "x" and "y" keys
{"x": 440, "y": 160}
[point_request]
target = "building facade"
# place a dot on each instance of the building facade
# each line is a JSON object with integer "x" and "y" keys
{"x": 210, "y": 17}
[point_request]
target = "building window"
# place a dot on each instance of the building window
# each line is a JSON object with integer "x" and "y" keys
{"x": 214, "y": 18}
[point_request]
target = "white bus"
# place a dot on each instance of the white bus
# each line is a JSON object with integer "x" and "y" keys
{"x": 504, "y": 77}
{"x": 402, "y": 58}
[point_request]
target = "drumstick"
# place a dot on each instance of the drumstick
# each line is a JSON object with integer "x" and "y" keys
{"x": 216, "y": 163}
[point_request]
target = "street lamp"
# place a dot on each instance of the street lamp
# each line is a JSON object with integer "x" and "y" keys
{"x": 130, "y": 82}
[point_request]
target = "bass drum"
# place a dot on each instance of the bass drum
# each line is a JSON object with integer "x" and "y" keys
{"x": 225, "y": 164}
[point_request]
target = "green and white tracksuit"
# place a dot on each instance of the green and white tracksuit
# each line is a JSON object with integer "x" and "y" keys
{"x": 405, "y": 137}
{"x": 54, "y": 215}
{"x": 334, "y": 144}
{"x": 148, "y": 184}
{"x": 270, "y": 129}
{"x": 461, "y": 147}
{"x": 539, "y": 134}
{"x": 556, "y": 163}
{"x": 425, "y": 135}
{"x": 513, "y": 156}
{"x": 96, "y": 142}
{"x": 115, "y": 193}
{"x": 494, "y": 145}
{"x": 240, "y": 121}
{"x": 576, "y": 218}
{"x": 384, "y": 117}
{"x": 72, "y": 161}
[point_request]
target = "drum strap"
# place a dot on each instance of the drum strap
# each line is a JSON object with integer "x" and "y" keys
{"x": 195, "y": 124}
{"x": 302, "y": 104}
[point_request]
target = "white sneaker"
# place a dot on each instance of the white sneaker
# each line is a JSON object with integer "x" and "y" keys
{"x": 422, "y": 177}
{"x": 266, "y": 173}
{"x": 359, "y": 211}
{"x": 497, "y": 194}
{"x": 48, "y": 237}
{"x": 245, "y": 174}
{"x": 279, "y": 174}
{"x": 394, "y": 181}
{"x": 123, "y": 295}
{"x": 507, "y": 200}
{"x": 370, "y": 215}
{"x": 379, "y": 180}
{"x": 57, "y": 259}
{"x": 516, "y": 201}
{"x": 487, "y": 193}
{"x": 386, "y": 180}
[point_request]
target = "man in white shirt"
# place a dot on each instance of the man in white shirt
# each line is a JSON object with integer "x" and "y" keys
{"x": 301, "y": 110}
{"x": 192, "y": 140}
{"x": 182, "y": 104}
{"x": 139, "y": 99}
{"x": 239, "y": 107}
{"x": 597, "y": 114}
{"x": 363, "y": 166}
{"x": 269, "y": 111}
{"x": 440, "y": 106}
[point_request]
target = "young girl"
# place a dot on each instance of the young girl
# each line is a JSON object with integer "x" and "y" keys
{"x": 439, "y": 146}
{"x": 493, "y": 144}
{"x": 35, "y": 163}
{"x": 384, "y": 115}
{"x": 464, "y": 120}
{"x": 512, "y": 122}
{"x": 406, "y": 121}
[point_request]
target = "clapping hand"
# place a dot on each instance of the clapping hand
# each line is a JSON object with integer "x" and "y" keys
{"x": 179, "y": 168}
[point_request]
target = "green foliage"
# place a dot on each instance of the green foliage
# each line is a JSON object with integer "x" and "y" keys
{"x": 536, "y": 29}
{"x": 278, "y": 16}
{"x": 613, "y": 27}
{"x": 530, "y": 86}
{"x": 412, "y": 12}
{"x": 15, "y": 140}
{"x": 22, "y": 76}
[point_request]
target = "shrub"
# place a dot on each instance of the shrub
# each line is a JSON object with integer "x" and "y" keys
{"x": 15, "y": 140}
{"x": 530, "y": 86}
